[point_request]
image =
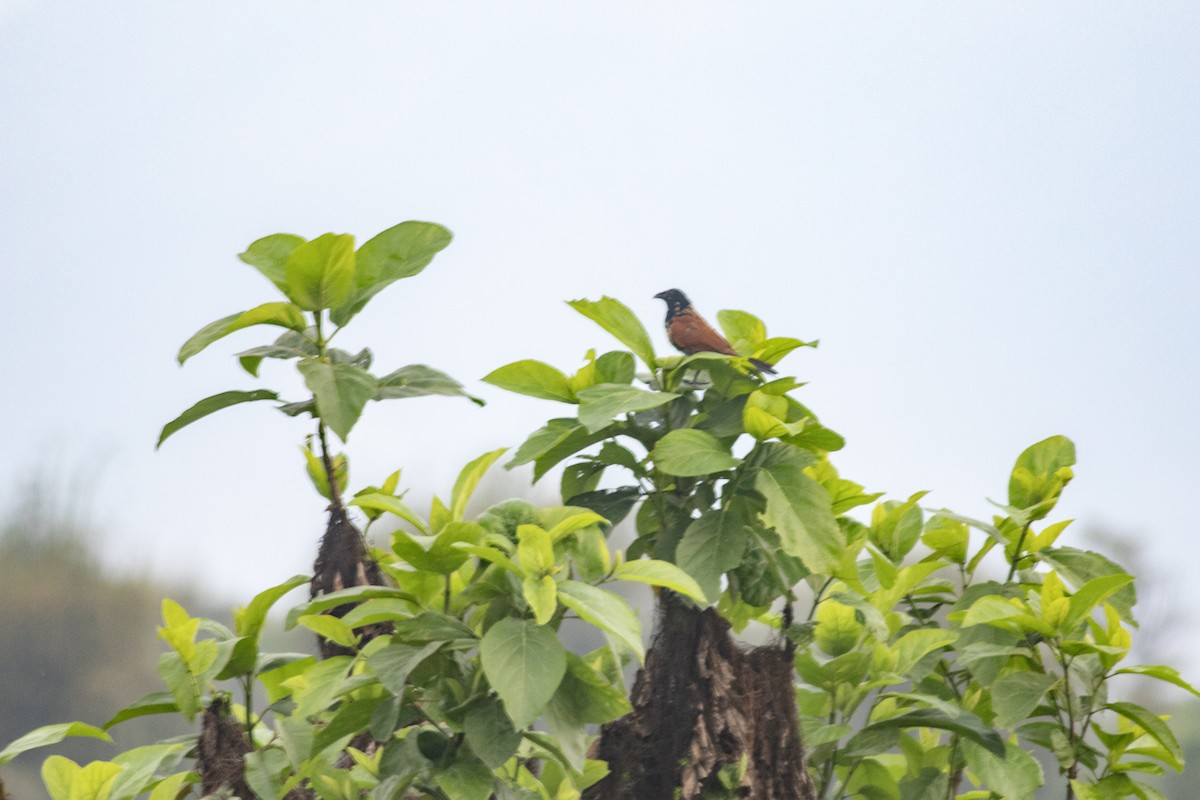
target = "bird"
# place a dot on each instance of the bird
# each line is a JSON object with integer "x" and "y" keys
{"x": 690, "y": 334}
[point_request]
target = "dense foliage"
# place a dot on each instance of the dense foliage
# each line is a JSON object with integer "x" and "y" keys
{"x": 935, "y": 655}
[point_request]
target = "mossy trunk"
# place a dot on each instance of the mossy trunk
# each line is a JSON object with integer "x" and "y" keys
{"x": 706, "y": 711}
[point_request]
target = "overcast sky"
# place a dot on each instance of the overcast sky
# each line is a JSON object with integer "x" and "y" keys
{"x": 987, "y": 213}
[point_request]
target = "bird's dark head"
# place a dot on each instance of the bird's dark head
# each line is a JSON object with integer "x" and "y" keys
{"x": 676, "y": 301}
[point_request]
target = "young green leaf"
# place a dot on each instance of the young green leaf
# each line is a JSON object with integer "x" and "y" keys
{"x": 269, "y": 256}
{"x": 1158, "y": 730}
{"x": 743, "y": 330}
{"x": 532, "y": 378}
{"x": 320, "y": 273}
{"x": 534, "y": 550}
{"x": 210, "y": 405}
{"x": 468, "y": 479}
{"x": 66, "y": 780}
{"x": 284, "y": 315}
{"x": 605, "y": 610}
{"x": 661, "y": 573}
{"x": 401, "y": 251}
{"x": 341, "y": 391}
{"x": 1162, "y": 673}
{"x": 1040, "y": 474}
{"x": 48, "y": 735}
{"x": 392, "y": 505}
{"x": 616, "y": 318}
{"x": 542, "y": 596}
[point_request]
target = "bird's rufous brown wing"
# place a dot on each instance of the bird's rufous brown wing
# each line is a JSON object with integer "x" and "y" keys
{"x": 691, "y": 334}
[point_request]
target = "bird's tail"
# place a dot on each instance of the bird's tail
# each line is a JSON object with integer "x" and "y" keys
{"x": 762, "y": 366}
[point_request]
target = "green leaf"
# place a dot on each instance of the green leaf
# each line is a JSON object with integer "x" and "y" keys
{"x": 1013, "y": 775}
{"x": 331, "y": 628}
{"x": 1040, "y": 474}
{"x": 689, "y": 452}
{"x": 50, "y": 734}
{"x": 575, "y": 522}
{"x": 465, "y": 779}
{"x": 593, "y": 698}
{"x": 774, "y": 349}
{"x": 661, "y": 573}
{"x": 743, "y": 330}
{"x": 535, "y": 551}
{"x": 616, "y": 318}
{"x": 605, "y": 610}
{"x": 838, "y": 629}
{"x": 1156, "y": 728}
{"x": 418, "y": 380}
{"x": 613, "y": 505}
{"x": 915, "y": 645}
{"x": 153, "y": 703}
{"x": 285, "y": 315}
{"x": 395, "y": 662}
{"x": 600, "y": 404}
{"x": 170, "y": 787}
{"x": 468, "y": 479}
{"x": 524, "y": 663}
{"x": 401, "y": 251}
{"x": 532, "y": 378}
{"x": 140, "y": 766}
{"x": 541, "y": 441}
{"x": 1077, "y": 567}
{"x": 1016, "y": 694}
{"x": 353, "y": 594}
{"x": 320, "y": 478}
{"x": 966, "y": 725}
{"x": 211, "y": 405}
{"x": 320, "y": 273}
{"x": 490, "y": 732}
{"x": 392, "y": 505}
{"x": 66, "y": 780}
{"x": 296, "y": 346}
{"x": 616, "y": 366}
{"x": 269, "y": 256}
{"x": 1090, "y": 595}
{"x": 248, "y": 621}
{"x": 341, "y": 391}
{"x": 1162, "y": 673}
{"x": 801, "y": 512}
{"x": 542, "y": 596}
{"x": 713, "y": 544}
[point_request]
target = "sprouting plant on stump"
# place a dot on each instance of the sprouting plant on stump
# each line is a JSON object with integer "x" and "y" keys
{"x": 912, "y": 652}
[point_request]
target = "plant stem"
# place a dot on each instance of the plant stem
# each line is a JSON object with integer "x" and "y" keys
{"x": 335, "y": 491}
{"x": 817, "y": 598}
{"x": 1012, "y": 569}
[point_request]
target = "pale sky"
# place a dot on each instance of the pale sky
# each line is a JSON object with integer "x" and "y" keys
{"x": 987, "y": 213}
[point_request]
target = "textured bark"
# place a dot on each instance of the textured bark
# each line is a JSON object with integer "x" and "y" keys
{"x": 700, "y": 703}
{"x": 343, "y": 562}
{"x": 220, "y": 759}
{"x": 221, "y": 756}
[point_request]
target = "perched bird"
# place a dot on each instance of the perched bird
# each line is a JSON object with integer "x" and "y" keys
{"x": 690, "y": 334}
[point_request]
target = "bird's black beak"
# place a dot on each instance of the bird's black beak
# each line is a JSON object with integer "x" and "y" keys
{"x": 662, "y": 295}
